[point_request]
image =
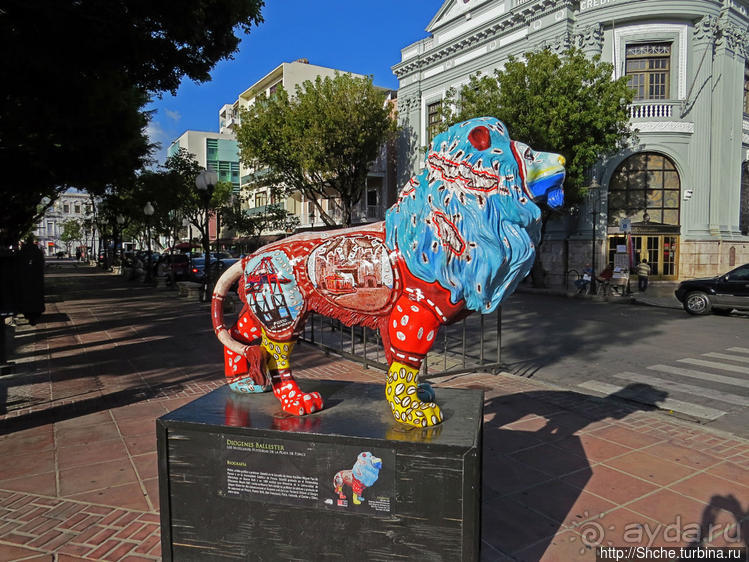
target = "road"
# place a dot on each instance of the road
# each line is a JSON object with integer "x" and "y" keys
{"x": 696, "y": 366}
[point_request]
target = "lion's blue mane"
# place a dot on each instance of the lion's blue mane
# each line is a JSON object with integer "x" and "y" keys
{"x": 499, "y": 227}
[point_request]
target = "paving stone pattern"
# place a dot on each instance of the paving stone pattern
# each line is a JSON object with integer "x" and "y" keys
{"x": 563, "y": 471}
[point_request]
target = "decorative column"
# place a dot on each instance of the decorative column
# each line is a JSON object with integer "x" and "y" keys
{"x": 699, "y": 106}
{"x": 409, "y": 119}
{"x": 727, "y": 117}
{"x": 590, "y": 40}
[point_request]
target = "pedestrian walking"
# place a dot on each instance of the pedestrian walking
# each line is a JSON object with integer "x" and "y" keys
{"x": 643, "y": 270}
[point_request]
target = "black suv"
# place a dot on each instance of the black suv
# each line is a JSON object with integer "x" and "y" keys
{"x": 722, "y": 293}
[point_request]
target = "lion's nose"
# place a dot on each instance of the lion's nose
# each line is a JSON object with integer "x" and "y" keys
{"x": 562, "y": 160}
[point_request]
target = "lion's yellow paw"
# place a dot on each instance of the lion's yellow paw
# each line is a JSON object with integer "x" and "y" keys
{"x": 401, "y": 392}
{"x": 418, "y": 414}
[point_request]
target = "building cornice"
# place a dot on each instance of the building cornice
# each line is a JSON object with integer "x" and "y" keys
{"x": 733, "y": 37}
{"x": 663, "y": 126}
{"x": 521, "y": 15}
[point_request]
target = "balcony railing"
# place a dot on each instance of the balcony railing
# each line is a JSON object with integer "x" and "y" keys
{"x": 374, "y": 212}
{"x": 662, "y": 110}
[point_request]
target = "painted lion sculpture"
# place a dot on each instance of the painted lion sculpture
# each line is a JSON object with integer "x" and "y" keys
{"x": 460, "y": 237}
{"x": 365, "y": 472}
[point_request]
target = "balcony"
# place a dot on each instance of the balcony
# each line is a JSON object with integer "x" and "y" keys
{"x": 660, "y": 116}
{"x": 254, "y": 177}
{"x": 262, "y": 209}
{"x": 658, "y": 110}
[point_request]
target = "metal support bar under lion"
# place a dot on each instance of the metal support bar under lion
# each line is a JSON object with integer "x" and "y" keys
{"x": 466, "y": 347}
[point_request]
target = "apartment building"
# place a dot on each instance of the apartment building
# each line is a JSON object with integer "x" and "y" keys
{"x": 289, "y": 75}
{"x": 213, "y": 151}
{"x": 71, "y": 205}
{"x": 682, "y": 190}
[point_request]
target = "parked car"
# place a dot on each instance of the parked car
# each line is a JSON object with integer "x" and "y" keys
{"x": 720, "y": 294}
{"x": 196, "y": 271}
{"x": 218, "y": 266}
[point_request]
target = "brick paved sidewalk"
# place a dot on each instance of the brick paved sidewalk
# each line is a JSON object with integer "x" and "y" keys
{"x": 562, "y": 471}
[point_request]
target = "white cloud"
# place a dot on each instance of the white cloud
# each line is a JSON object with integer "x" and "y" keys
{"x": 157, "y": 133}
{"x": 173, "y": 115}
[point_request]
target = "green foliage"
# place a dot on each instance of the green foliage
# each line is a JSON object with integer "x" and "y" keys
{"x": 76, "y": 75}
{"x": 321, "y": 141}
{"x": 71, "y": 231}
{"x": 252, "y": 223}
{"x": 176, "y": 196}
{"x": 567, "y": 105}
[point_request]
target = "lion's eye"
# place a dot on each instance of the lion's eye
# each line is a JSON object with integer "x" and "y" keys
{"x": 528, "y": 155}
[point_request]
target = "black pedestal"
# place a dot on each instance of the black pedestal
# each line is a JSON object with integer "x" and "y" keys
{"x": 241, "y": 480}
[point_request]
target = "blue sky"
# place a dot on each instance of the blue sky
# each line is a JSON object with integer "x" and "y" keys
{"x": 362, "y": 36}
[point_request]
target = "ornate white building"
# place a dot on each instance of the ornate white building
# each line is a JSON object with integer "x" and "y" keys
{"x": 684, "y": 186}
{"x": 71, "y": 205}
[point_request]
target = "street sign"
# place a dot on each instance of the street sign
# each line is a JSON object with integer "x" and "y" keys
{"x": 625, "y": 225}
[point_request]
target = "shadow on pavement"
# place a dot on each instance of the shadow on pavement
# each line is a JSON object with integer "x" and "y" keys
{"x": 534, "y": 441}
{"x": 711, "y": 530}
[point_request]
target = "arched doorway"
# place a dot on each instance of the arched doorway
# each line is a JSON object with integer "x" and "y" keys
{"x": 646, "y": 189}
{"x": 744, "y": 211}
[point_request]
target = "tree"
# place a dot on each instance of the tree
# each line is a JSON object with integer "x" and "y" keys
{"x": 321, "y": 141}
{"x": 71, "y": 232}
{"x": 252, "y": 223}
{"x": 177, "y": 197}
{"x": 76, "y": 75}
{"x": 567, "y": 105}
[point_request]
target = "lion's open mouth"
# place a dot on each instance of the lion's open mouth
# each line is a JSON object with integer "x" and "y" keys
{"x": 474, "y": 178}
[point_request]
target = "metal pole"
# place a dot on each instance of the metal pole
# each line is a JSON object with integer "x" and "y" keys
{"x": 499, "y": 337}
{"x": 464, "y": 343}
{"x": 207, "y": 249}
{"x": 148, "y": 234}
{"x": 444, "y": 352}
{"x": 481, "y": 341}
{"x": 364, "y": 337}
{"x": 593, "y": 256}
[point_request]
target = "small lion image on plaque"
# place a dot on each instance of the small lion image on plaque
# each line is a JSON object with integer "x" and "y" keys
{"x": 365, "y": 472}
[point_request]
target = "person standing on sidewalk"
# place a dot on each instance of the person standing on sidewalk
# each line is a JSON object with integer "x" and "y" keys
{"x": 643, "y": 270}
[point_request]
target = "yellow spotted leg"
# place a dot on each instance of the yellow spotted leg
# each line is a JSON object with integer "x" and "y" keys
{"x": 400, "y": 391}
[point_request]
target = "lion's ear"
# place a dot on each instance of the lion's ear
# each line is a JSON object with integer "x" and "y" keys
{"x": 480, "y": 138}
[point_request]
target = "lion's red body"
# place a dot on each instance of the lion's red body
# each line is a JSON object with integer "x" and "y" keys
{"x": 407, "y": 313}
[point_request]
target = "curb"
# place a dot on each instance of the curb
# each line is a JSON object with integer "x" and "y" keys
{"x": 659, "y": 302}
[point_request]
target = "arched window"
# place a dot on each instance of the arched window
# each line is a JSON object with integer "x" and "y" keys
{"x": 646, "y": 189}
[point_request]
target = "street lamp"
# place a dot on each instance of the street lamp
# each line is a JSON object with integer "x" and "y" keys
{"x": 120, "y": 221}
{"x": 593, "y": 197}
{"x": 206, "y": 182}
{"x": 148, "y": 211}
